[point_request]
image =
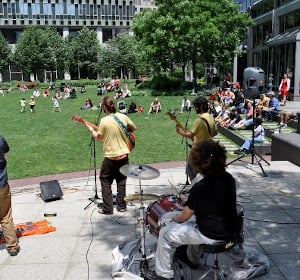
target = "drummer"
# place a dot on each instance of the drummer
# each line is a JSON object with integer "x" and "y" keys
{"x": 213, "y": 202}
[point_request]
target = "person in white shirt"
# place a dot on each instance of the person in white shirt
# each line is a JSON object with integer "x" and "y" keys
{"x": 185, "y": 105}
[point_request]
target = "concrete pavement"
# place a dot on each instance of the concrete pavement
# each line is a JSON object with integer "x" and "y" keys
{"x": 81, "y": 246}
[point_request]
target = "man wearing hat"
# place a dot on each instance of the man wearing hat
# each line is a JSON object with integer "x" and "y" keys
{"x": 274, "y": 107}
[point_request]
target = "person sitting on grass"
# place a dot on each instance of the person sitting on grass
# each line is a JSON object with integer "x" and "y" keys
{"x": 88, "y": 104}
{"x": 185, "y": 105}
{"x": 155, "y": 106}
{"x": 259, "y": 134}
{"x": 132, "y": 108}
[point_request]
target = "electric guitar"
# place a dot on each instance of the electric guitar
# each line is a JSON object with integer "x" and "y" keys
{"x": 130, "y": 142}
{"x": 173, "y": 118}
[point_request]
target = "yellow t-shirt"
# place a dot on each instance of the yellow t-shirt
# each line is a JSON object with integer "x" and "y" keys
{"x": 201, "y": 130}
{"x": 114, "y": 144}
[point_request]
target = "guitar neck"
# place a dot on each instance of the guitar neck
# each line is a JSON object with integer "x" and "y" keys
{"x": 85, "y": 122}
{"x": 173, "y": 118}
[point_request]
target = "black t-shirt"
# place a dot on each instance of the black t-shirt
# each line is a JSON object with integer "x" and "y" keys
{"x": 214, "y": 201}
{"x": 4, "y": 148}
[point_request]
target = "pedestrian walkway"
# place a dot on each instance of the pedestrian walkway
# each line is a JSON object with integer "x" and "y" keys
{"x": 81, "y": 247}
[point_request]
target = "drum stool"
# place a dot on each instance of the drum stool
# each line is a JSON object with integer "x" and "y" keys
{"x": 215, "y": 249}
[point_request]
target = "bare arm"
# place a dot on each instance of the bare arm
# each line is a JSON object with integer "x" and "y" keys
{"x": 95, "y": 134}
{"x": 186, "y": 134}
{"x": 184, "y": 216}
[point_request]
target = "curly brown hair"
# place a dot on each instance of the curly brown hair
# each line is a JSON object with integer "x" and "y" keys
{"x": 200, "y": 104}
{"x": 109, "y": 104}
{"x": 208, "y": 158}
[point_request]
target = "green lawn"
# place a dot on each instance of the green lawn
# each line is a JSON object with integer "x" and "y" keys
{"x": 44, "y": 142}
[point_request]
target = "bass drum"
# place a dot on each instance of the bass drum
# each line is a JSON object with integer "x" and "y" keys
{"x": 160, "y": 212}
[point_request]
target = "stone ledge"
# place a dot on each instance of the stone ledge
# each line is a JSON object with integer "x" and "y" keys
{"x": 286, "y": 147}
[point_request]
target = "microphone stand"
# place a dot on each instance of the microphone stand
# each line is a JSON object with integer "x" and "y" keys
{"x": 254, "y": 154}
{"x": 187, "y": 183}
{"x": 93, "y": 151}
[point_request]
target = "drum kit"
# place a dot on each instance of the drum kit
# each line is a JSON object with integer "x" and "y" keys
{"x": 141, "y": 172}
{"x": 160, "y": 212}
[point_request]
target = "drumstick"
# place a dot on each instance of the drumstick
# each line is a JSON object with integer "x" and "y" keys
{"x": 177, "y": 192}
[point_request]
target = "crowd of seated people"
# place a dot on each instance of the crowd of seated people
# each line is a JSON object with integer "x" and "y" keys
{"x": 233, "y": 118}
{"x": 248, "y": 120}
{"x": 230, "y": 95}
{"x": 215, "y": 108}
{"x": 222, "y": 117}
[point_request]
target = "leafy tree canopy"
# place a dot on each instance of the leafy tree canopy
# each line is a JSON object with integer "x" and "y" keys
{"x": 183, "y": 31}
{"x": 5, "y": 53}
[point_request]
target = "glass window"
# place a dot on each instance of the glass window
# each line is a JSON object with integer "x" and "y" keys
{"x": 35, "y": 9}
{"x": 24, "y": 8}
{"x": 47, "y": 9}
{"x": 59, "y": 9}
{"x": 289, "y": 21}
{"x": 71, "y": 9}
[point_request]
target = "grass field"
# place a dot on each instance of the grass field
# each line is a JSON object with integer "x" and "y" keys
{"x": 46, "y": 142}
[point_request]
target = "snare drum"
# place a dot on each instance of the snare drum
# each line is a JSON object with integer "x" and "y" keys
{"x": 160, "y": 212}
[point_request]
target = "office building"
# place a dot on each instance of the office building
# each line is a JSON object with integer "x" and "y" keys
{"x": 273, "y": 42}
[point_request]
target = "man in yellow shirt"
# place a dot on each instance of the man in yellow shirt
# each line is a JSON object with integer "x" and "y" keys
{"x": 113, "y": 130}
{"x": 204, "y": 127}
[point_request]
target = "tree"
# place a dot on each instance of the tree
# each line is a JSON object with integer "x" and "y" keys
{"x": 54, "y": 52}
{"x": 29, "y": 51}
{"x": 121, "y": 55}
{"x": 40, "y": 49}
{"x": 83, "y": 53}
{"x": 5, "y": 53}
{"x": 189, "y": 31}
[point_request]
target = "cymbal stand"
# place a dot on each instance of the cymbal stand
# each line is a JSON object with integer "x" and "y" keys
{"x": 142, "y": 221}
{"x": 141, "y": 243}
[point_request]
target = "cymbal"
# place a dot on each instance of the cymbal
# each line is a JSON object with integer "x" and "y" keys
{"x": 137, "y": 197}
{"x": 139, "y": 171}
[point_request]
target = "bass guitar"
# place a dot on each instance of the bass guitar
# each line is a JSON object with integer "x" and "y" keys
{"x": 130, "y": 142}
{"x": 173, "y": 118}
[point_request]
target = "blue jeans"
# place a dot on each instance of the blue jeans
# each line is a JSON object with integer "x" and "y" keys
{"x": 270, "y": 113}
{"x": 248, "y": 141}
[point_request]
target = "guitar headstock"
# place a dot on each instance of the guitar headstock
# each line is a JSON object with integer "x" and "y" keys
{"x": 77, "y": 119}
{"x": 171, "y": 116}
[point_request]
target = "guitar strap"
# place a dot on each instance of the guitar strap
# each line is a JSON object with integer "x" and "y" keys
{"x": 208, "y": 126}
{"x": 124, "y": 129}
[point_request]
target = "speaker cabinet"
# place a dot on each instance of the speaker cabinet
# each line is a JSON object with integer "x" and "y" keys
{"x": 50, "y": 190}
